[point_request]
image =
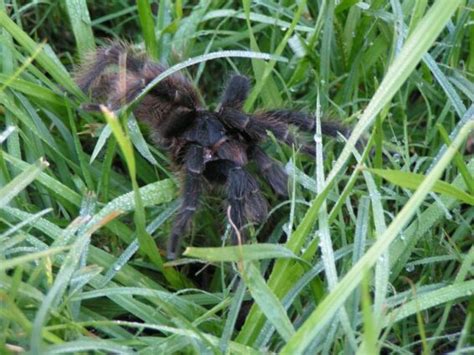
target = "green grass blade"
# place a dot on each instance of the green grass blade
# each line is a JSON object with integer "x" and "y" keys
{"x": 81, "y": 25}
{"x": 9, "y": 264}
{"x": 232, "y": 315}
{"x": 331, "y": 304}
{"x": 239, "y": 253}
{"x": 201, "y": 59}
{"x": 14, "y": 187}
{"x": 458, "y": 160}
{"x": 148, "y": 27}
{"x": 47, "y": 181}
{"x": 432, "y": 299}
{"x": 89, "y": 345}
{"x": 413, "y": 181}
{"x": 410, "y": 55}
{"x": 267, "y": 300}
{"x": 43, "y": 59}
{"x": 412, "y": 52}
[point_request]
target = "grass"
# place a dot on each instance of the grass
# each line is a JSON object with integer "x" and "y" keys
{"x": 373, "y": 252}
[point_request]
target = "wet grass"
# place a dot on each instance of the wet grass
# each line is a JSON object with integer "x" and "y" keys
{"x": 372, "y": 252}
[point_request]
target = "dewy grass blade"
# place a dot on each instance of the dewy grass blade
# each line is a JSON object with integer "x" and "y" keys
{"x": 200, "y": 59}
{"x": 382, "y": 267}
{"x": 9, "y": 264}
{"x": 268, "y": 68}
{"x": 325, "y": 243}
{"x": 267, "y": 301}
{"x": 232, "y": 315}
{"x": 14, "y": 187}
{"x": 412, "y": 52}
{"x": 412, "y": 181}
{"x": 23, "y": 66}
{"x": 30, "y": 220}
{"x": 234, "y": 253}
{"x": 47, "y": 181}
{"x": 410, "y": 55}
{"x": 52, "y": 299}
{"x": 332, "y": 303}
{"x": 431, "y": 299}
{"x": 402, "y": 248}
{"x": 148, "y": 27}
{"x": 43, "y": 59}
{"x": 81, "y": 25}
{"x": 6, "y": 133}
{"x": 146, "y": 242}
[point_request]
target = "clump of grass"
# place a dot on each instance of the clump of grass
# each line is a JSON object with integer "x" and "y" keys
{"x": 373, "y": 250}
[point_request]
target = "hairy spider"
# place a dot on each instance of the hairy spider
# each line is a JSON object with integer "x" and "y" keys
{"x": 205, "y": 145}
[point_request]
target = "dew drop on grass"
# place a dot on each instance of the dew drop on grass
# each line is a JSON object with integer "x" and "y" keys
{"x": 363, "y": 5}
{"x": 410, "y": 268}
{"x": 448, "y": 215}
{"x": 317, "y": 138}
{"x": 375, "y": 195}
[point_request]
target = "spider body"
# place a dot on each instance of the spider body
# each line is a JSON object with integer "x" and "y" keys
{"x": 205, "y": 145}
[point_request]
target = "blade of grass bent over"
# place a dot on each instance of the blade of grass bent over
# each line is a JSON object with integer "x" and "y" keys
{"x": 147, "y": 244}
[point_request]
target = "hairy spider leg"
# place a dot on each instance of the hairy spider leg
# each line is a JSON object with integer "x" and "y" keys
{"x": 244, "y": 197}
{"x": 94, "y": 64}
{"x": 194, "y": 166}
{"x": 304, "y": 121}
{"x": 271, "y": 171}
{"x": 256, "y": 129}
{"x": 236, "y": 92}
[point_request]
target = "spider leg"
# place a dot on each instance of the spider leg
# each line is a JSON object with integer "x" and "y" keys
{"x": 271, "y": 171}
{"x": 244, "y": 197}
{"x": 304, "y": 121}
{"x": 256, "y": 128}
{"x": 88, "y": 75}
{"x": 191, "y": 192}
{"x": 236, "y": 92}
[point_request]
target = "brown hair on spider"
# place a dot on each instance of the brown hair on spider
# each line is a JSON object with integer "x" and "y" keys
{"x": 206, "y": 145}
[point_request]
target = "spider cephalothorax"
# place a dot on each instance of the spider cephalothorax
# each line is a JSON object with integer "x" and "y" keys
{"x": 206, "y": 145}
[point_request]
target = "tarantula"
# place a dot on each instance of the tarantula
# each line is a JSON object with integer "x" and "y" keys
{"x": 205, "y": 145}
